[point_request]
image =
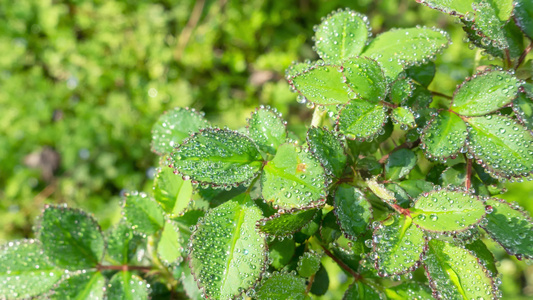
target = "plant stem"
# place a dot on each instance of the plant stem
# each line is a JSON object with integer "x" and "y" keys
{"x": 187, "y": 31}
{"x": 125, "y": 268}
{"x": 341, "y": 264}
{"x": 524, "y": 54}
{"x": 318, "y": 115}
{"x": 441, "y": 95}
{"x": 468, "y": 181}
{"x": 310, "y": 284}
{"x": 405, "y": 145}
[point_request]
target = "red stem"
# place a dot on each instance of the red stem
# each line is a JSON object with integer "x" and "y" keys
{"x": 125, "y": 268}
{"x": 524, "y": 54}
{"x": 468, "y": 182}
{"x": 341, "y": 264}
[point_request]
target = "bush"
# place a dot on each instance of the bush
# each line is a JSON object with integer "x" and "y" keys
{"x": 390, "y": 177}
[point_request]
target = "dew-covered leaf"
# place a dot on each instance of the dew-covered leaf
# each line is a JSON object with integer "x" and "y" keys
{"x": 365, "y": 78}
{"x": 282, "y": 286}
{"x": 218, "y": 157}
{"x": 267, "y": 129}
{"x": 354, "y": 212}
{"x": 170, "y": 246}
{"x": 444, "y": 210}
{"x": 488, "y": 24}
{"x": 398, "y": 49}
{"x": 453, "y": 7}
{"x": 513, "y": 40}
{"x": 25, "y": 271}
{"x": 189, "y": 284}
{"x": 173, "y": 127}
{"x": 227, "y": 253}
{"x": 308, "y": 264}
{"x": 398, "y": 246}
{"x": 329, "y": 229}
{"x": 399, "y": 164}
{"x": 404, "y": 117}
{"x": 280, "y": 252}
{"x": 321, "y": 84}
{"x": 360, "y": 119}
{"x": 362, "y": 290}
{"x": 444, "y": 136}
{"x": 171, "y": 191}
{"x": 328, "y": 149}
{"x": 401, "y": 89}
{"x": 415, "y": 187}
{"x": 409, "y": 290}
{"x": 294, "y": 178}
{"x": 71, "y": 238}
{"x": 286, "y": 223}
{"x": 486, "y": 257}
{"x": 455, "y": 273}
{"x": 485, "y": 93}
{"x": 510, "y": 226}
{"x": 379, "y": 190}
{"x": 122, "y": 243}
{"x": 341, "y": 35}
{"x": 422, "y": 74}
{"x": 143, "y": 213}
{"x": 80, "y": 286}
{"x": 523, "y": 109}
{"x": 501, "y": 145}
{"x": 523, "y": 14}
{"x": 125, "y": 285}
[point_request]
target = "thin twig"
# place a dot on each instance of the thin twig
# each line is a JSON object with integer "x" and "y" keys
{"x": 468, "y": 181}
{"x": 406, "y": 145}
{"x": 524, "y": 54}
{"x": 310, "y": 284}
{"x": 441, "y": 95}
{"x": 187, "y": 31}
{"x": 125, "y": 268}
{"x": 341, "y": 264}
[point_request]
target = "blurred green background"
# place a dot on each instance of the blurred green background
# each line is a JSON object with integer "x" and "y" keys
{"x": 82, "y": 82}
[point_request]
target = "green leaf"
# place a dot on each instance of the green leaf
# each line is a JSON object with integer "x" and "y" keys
{"x": 308, "y": 264}
{"x": 173, "y": 127}
{"x": 353, "y": 211}
{"x": 523, "y": 109}
{"x": 481, "y": 251}
{"x": 280, "y": 286}
{"x": 415, "y": 187}
{"x": 360, "y": 119}
{"x": 328, "y": 149}
{"x": 143, "y": 213}
{"x": 401, "y": 89}
{"x": 485, "y": 93}
{"x": 329, "y": 229}
{"x": 362, "y": 290}
{"x": 488, "y": 24}
{"x": 170, "y": 246}
{"x": 501, "y": 145}
{"x": 523, "y": 15}
{"x": 189, "y": 284}
{"x": 403, "y": 116}
{"x": 81, "y": 286}
{"x": 365, "y": 78}
{"x": 321, "y": 283}
{"x": 510, "y": 226}
{"x": 126, "y": 286}
{"x": 219, "y": 157}
{"x": 25, "y": 271}
{"x": 379, "y": 190}
{"x": 280, "y": 252}
{"x": 454, "y": 273}
{"x": 286, "y": 223}
{"x": 444, "y": 136}
{"x": 398, "y": 246}
{"x": 267, "y": 129}
{"x": 227, "y": 252}
{"x": 321, "y": 84}
{"x": 294, "y": 178}
{"x": 171, "y": 191}
{"x": 454, "y": 7}
{"x": 398, "y": 49}
{"x": 341, "y": 35}
{"x": 422, "y": 74}
{"x": 122, "y": 243}
{"x": 409, "y": 290}
{"x": 399, "y": 164}
{"x": 513, "y": 40}
{"x": 71, "y": 238}
{"x": 444, "y": 210}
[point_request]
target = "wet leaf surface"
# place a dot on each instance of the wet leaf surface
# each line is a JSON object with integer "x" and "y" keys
{"x": 171, "y": 191}
{"x": 353, "y": 211}
{"x": 444, "y": 136}
{"x": 267, "y": 129}
{"x": 328, "y": 148}
{"x": 282, "y": 286}
{"x": 143, "y": 213}
{"x": 360, "y": 119}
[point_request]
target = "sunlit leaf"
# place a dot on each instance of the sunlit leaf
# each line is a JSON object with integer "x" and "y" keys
{"x": 454, "y": 7}
{"x": 361, "y": 119}
{"x": 171, "y": 191}
{"x": 80, "y": 286}
{"x": 399, "y": 164}
{"x": 444, "y": 136}
{"x": 124, "y": 285}
{"x": 353, "y": 210}
{"x": 170, "y": 246}
{"x": 267, "y": 129}
{"x": 122, "y": 243}
{"x": 308, "y": 264}
{"x": 486, "y": 257}
{"x": 365, "y": 78}
{"x": 282, "y": 286}
{"x": 286, "y": 223}
{"x": 409, "y": 290}
{"x": 143, "y": 213}
{"x": 401, "y": 89}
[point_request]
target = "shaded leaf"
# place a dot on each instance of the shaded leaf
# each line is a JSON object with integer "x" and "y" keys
{"x": 280, "y": 286}
{"x": 523, "y": 14}
{"x": 171, "y": 191}
{"x": 501, "y": 145}
{"x": 143, "y": 213}
{"x": 329, "y": 229}
{"x": 415, "y": 187}
{"x": 422, "y": 74}
{"x": 400, "y": 48}
{"x": 399, "y": 164}
{"x": 122, "y": 243}
{"x": 124, "y": 285}
{"x": 286, "y": 223}
{"x": 485, "y": 93}
{"x": 80, "y": 286}
{"x": 454, "y": 273}
{"x": 361, "y": 119}
{"x": 173, "y": 127}
{"x": 308, "y": 264}
{"x": 481, "y": 251}
{"x": 328, "y": 149}
{"x": 362, "y": 290}
{"x": 218, "y": 157}
{"x": 294, "y": 178}
{"x": 444, "y": 210}
{"x": 321, "y": 283}
{"x": 523, "y": 109}
{"x": 267, "y": 129}
{"x": 401, "y": 89}
{"x": 444, "y": 136}
{"x": 398, "y": 246}
{"x": 404, "y": 117}
{"x": 341, "y": 35}
{"x": 71, "y": 238}
{"x": 25, "y": 270}
{"x": 365, "y": 78}
{"x": 227, "y": 252}
{"x": 510, "y": 226}
{"x": 354, "y": 212}
{"x": 280, "y": 252}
